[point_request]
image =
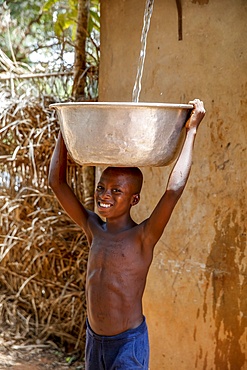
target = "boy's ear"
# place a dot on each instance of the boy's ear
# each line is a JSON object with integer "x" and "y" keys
{"x": 135, "y": 199}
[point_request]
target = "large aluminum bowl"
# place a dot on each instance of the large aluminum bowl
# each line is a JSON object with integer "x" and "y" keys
{"x": 122, "y": 134}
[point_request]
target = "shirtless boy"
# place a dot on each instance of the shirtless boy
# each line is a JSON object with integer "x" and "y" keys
{"x": 121, "y": 252}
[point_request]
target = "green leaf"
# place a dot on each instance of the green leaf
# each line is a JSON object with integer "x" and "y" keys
{"x": 47, "y": 6}
{"x": 95, "y": 16}
{"x": 73, "y": 4}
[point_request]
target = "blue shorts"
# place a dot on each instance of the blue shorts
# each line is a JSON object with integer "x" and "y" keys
{"x": 125, "y": 351}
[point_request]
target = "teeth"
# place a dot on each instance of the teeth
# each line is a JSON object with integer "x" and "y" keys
{"x": 104, "y": 205}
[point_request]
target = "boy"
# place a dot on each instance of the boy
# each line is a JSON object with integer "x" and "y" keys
{"x": 121, "y": 252}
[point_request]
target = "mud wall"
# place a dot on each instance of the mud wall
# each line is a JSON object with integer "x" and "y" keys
{"x": 196, "y": 295}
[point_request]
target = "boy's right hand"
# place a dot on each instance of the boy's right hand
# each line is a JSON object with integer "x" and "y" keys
{"x": 197, "y": 114}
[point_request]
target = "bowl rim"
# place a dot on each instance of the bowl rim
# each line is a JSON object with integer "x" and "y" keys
{"x": 122, "y": 105}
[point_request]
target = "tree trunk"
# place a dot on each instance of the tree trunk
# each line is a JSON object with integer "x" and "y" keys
{"x": 80, "y": 50}
{"x": 78, "y": 90}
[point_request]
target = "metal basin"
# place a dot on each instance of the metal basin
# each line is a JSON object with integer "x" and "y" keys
{"x": 122, "y": 134}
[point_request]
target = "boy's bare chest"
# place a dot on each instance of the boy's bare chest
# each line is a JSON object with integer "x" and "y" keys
{"x": 114, "y": 249}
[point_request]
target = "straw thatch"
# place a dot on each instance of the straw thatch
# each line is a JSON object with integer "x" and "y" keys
{"x": 43, "y": 255}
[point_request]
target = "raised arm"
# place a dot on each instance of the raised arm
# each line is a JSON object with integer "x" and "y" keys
{"x": 58, "y": 182}
{"x": 155, "y": 224}
{"x": 180, "y": 173}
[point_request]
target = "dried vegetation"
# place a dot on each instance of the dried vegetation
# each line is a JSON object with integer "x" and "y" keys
{"x": 43, "y": 255}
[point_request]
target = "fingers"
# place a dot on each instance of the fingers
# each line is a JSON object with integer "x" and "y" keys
{"x": 197, "y": 114}
{"x": 198, "y": 105}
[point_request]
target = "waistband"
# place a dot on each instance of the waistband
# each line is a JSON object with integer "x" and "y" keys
{"x": 128, "y": 334}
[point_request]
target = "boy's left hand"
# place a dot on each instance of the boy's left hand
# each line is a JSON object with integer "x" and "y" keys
{"x": 197, "y": 114}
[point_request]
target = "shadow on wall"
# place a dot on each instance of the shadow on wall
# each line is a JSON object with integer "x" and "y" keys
{"x": 229, "y": 282}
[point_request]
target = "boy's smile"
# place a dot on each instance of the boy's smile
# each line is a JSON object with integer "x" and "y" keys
{"x": 104, "y": 205}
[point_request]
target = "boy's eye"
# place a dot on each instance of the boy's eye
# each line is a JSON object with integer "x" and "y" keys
{"x": 99, "y": 188}
{"x": 116, "y": 190}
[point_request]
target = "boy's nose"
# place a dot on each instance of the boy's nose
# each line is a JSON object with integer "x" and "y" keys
{"x": 106, "y": 193}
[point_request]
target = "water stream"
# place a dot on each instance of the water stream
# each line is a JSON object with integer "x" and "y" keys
{"x": 146, "y": 23}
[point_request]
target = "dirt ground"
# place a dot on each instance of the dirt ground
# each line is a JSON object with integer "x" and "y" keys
{"x": 36, "y": 358}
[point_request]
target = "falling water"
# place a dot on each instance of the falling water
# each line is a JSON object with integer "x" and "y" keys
{"x": 146, "y": 23}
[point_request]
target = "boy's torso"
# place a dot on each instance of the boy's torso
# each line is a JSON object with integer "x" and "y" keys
{"x": 116, "y": 277}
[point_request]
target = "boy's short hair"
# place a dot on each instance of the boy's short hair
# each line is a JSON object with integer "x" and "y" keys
{"x": 134, "y": 172}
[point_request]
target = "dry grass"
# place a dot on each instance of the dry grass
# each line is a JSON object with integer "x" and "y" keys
{"x": 43, "y": 255}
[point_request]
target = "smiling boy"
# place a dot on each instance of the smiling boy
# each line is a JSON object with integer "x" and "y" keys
{"x": 121, "y": 252}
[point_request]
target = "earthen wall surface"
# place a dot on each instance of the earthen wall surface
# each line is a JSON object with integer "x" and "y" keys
{"x": 196, "y": 294}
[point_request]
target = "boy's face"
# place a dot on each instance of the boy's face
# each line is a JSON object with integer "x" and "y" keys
{"x": 115, "y": 194}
